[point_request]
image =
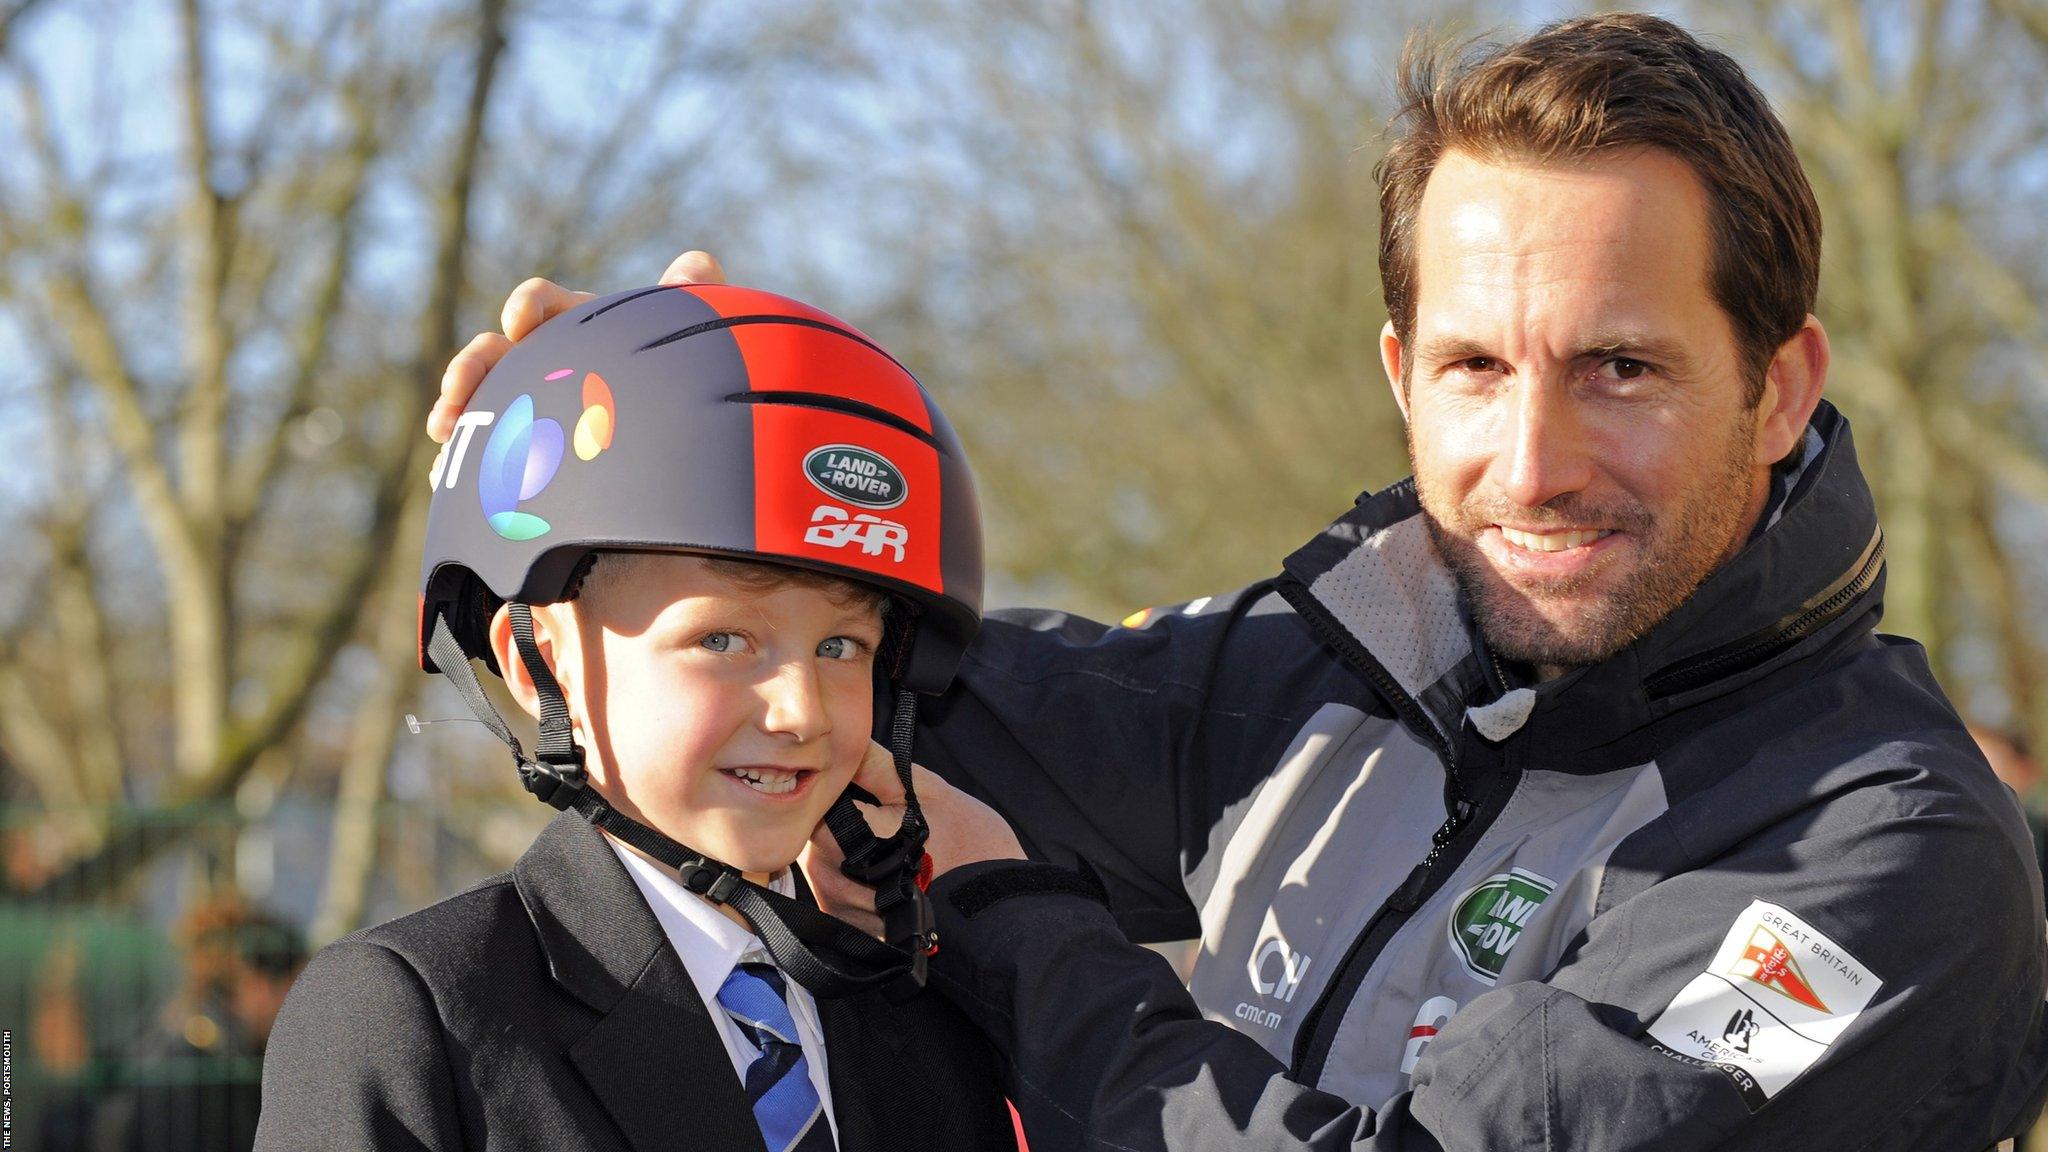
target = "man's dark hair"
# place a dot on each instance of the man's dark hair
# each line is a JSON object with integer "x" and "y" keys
{"x": 1603, "y": 84}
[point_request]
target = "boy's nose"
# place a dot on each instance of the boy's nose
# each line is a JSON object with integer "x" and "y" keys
{"x": 795, "y": 703}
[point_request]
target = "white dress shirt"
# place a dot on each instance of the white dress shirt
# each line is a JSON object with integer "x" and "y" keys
{"x": 710, "y": 946}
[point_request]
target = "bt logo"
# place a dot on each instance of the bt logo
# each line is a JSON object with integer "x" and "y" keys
{"x": 523, "y": 454}
{"x": 831, "y": 528}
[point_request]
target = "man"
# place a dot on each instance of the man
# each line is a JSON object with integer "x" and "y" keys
{"x": 1563, "y": 797}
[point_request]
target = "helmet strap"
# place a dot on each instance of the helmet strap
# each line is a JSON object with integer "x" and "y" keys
{"x": 894, "y": 866}
{"x": 824, "y": 954}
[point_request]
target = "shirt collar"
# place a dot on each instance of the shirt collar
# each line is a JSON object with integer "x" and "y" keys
{"x": 709, "y": 943}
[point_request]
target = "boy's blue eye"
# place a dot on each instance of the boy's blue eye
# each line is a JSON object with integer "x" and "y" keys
{"x": 840, "y": 648}
{"x": 724, "y": 642}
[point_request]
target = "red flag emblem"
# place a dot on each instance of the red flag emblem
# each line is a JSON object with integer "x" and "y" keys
{"x": 1767, "y": 961}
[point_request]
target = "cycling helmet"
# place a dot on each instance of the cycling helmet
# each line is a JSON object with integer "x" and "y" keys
{"x": 704, "y": 418}
{"x": 729, "y": 422}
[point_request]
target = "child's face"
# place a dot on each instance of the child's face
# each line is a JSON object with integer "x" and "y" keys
{"x": 726, "y": 716}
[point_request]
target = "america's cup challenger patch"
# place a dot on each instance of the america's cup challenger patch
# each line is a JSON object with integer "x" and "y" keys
{"x": 1776, "y": 994}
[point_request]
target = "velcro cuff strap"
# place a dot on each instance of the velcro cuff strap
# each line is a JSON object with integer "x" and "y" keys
{"x": 1027, "y": 879}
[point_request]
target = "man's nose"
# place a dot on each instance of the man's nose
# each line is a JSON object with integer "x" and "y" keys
{"x": 795, "y": 703}
{"x": 1547, "y": 452}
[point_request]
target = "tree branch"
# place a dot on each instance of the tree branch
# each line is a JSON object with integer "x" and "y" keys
{"x": 134, "y": 842}
{"x": 252, "y": 479}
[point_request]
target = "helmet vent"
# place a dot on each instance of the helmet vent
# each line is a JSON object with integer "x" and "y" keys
{"x": 737, "y": 321}
{"x": 628, "y": 298}
{"x": 840, "y": 404}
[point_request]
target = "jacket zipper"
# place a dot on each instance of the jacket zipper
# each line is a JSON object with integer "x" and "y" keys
{"x": 1706, "y": 668}
{"x": 1459, "y": 810}
{"x": 1309, "y": 1055}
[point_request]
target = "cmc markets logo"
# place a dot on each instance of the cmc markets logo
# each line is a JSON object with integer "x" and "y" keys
{"x": 1286, "y": 975}
{"x": 523, "y": 454}
{"x": 856, "y": 475}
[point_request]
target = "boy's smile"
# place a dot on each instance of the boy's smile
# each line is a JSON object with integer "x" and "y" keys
{"x": 713, "y": 703}
{"x": 779, "y": 781}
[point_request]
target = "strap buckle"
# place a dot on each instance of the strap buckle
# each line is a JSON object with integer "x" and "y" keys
{"x": 555, "y": 779}
{"x": 715, "y": 883}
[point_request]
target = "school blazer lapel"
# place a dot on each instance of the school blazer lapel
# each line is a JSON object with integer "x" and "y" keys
{"x": 654, "y": 1060}
{"x": 863, "y": 1061}
{"x": 857, "y": 1053}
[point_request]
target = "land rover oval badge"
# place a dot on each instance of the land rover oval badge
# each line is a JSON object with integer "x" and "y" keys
{"x": 856, "y": 475}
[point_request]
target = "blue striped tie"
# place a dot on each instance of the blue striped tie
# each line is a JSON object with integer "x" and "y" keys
{"x": 779, "y": 1088}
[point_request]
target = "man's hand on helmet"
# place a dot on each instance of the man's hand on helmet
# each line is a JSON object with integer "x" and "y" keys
{"x": 963, "y": 831}
{"x": 530, "y": 304}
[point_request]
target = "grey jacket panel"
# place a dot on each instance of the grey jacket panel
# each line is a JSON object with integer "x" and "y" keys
{"x": 1325, "y": 841}
{"x": 1746, "y": 884}
{"x": 1524, "y": 893}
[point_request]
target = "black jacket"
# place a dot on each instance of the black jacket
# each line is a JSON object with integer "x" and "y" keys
{"x": 546, "y": 1009}
{"x": 1746, "y": 885}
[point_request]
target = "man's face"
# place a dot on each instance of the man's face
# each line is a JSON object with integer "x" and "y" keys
{"x": 1584, "y": 448}
{"x": 728, "y": 717}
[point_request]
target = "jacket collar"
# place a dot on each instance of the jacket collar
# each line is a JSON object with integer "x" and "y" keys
{"x": 1372, "y": 585}
{"x": 654, "y": 1059}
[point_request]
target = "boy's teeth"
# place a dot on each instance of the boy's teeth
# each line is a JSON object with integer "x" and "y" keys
{"x": 773, "y": 785}
{"x": 1551, "y": 542}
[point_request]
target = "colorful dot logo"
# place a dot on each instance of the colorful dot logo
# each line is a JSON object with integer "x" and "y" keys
{"x": 523, "y": 455}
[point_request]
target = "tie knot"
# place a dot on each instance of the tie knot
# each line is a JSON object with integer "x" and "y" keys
{"x": 756, "y": 998}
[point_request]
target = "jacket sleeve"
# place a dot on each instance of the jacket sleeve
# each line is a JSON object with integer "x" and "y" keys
{"x": 1120, "y": 746}
{"x": 357, "y": 1061}
{"x": 1106, "y": 1049}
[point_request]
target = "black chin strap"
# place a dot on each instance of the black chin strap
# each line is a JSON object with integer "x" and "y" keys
{"x": 824, "y": 954}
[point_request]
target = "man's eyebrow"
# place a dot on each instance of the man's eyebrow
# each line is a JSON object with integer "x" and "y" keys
{"x": 1659, "y": 350}
{"x": 1445, "y": 349}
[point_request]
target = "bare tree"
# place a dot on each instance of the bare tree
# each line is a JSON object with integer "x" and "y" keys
{"x": 1142, "y": 269}
{"x": 249, "y": 289}
{"x": 1161, "y": 332}
{"x": 1920, "y": 124}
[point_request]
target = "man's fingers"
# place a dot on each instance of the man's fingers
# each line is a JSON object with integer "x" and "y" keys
{"x": 877, "y": 774}
{"x": 528, "y": 307}
{"x": 465, "y": 371}
{"x": 535, "y": 301}
{"x": 693, "y": 267}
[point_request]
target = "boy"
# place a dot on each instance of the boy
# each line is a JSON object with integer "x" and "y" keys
{"x": 691, "y": 527}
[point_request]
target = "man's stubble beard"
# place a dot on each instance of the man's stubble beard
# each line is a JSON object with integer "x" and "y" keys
{"x": 1678, "y": 551}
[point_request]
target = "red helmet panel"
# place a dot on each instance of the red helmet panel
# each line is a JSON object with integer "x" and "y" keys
{"x": 797, "y": 358}
{"x": 840, "y": 490}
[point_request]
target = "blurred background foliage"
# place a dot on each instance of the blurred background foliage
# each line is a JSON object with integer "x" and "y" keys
{"x": 1130, "y": 246}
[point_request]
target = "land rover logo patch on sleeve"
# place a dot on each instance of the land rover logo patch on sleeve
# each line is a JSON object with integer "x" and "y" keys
{"x": 1488, "y": 919}
{"x": 1772, "y": 999}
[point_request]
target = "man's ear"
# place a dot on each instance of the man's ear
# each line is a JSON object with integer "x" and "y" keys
{"x": 1792, "y": 388}
{"x": 1390, "y": 361}
{"x": 546, "y": 637}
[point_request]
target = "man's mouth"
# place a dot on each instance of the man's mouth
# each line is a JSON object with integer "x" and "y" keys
{"x": 1552, "y": 541}
{"x": 769, "y": 780}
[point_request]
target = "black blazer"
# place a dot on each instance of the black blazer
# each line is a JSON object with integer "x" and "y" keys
{"x": 546, "y": 1009}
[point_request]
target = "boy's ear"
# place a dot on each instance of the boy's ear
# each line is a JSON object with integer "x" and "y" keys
{"x": 545, "y": 637}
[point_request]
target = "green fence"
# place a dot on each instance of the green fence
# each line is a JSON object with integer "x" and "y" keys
{"x": 135, "y": 992}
